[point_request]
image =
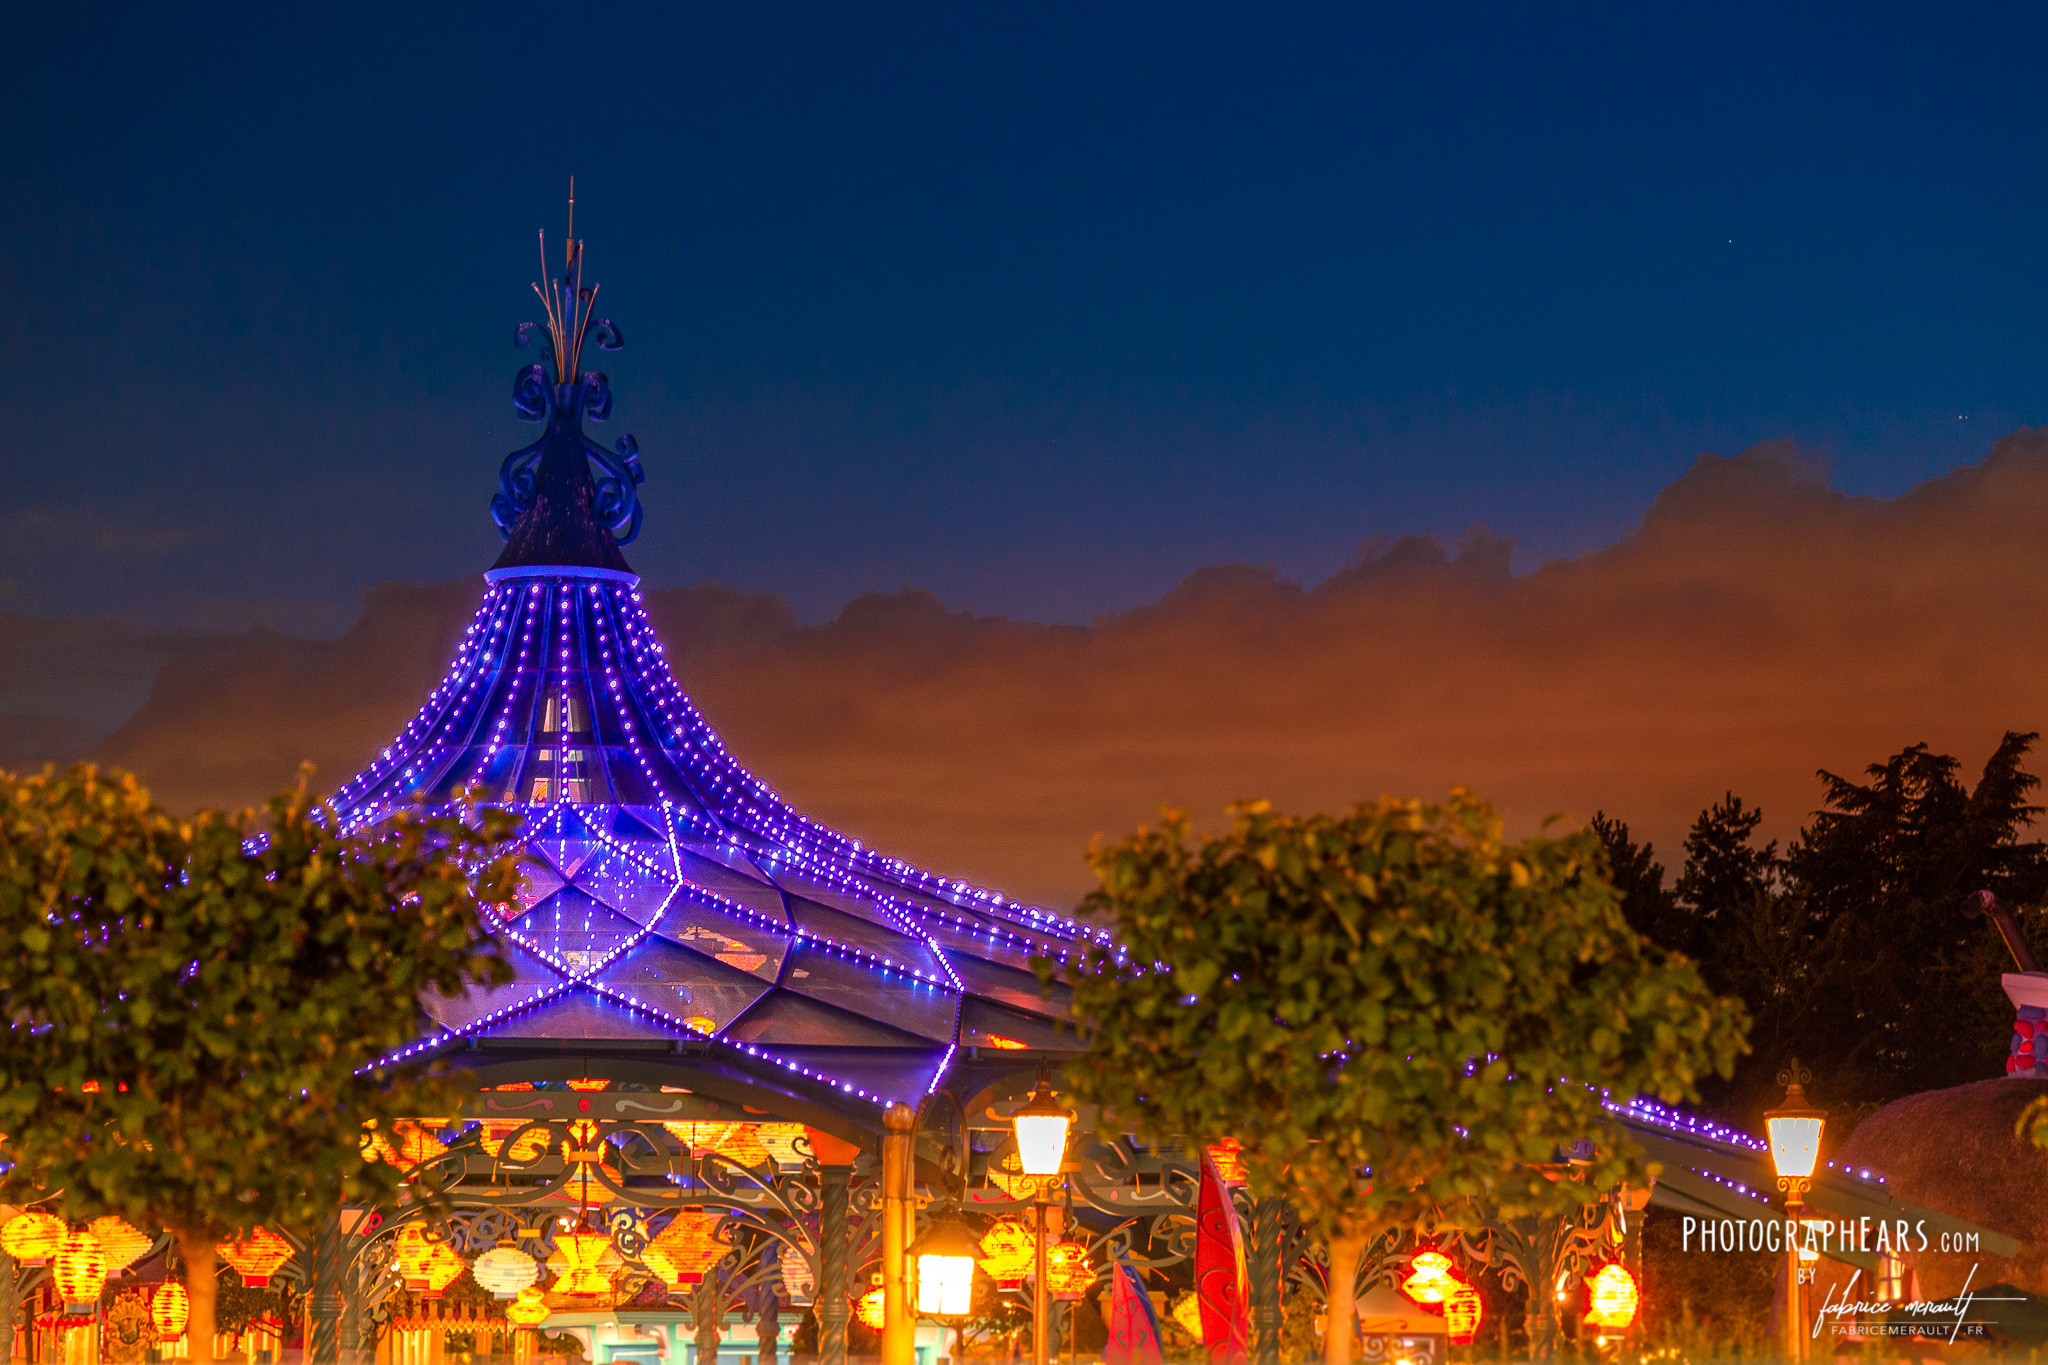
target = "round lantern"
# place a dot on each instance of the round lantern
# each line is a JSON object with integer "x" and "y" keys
{"x": 1187, "y": 1312}
{"x": 120, "y": 1242}
{"x": 689, "y": 1245}
{"x": 529, "y": 1309}
{"x": 443, "y": 1268}
{"x": 169, "y": 1310}
{"x": 81, "y": 1269}
{"x": 576, "y": 1261}
{"x": 868, "y": 1309}
{"x": 257, "y": 1257}
{"x": 1009, "y": 1252}
{"x": 33, "y": 1237}
{"x": 504, "y": 1271}
{"x": 1067, "y": 1272}
{"x": 1613, "y": 1294}
{"x": 1464, "y": 1310}
{"x": 1430, "y": 1279}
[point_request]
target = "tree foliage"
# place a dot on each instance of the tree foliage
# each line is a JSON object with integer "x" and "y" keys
{"x": 193, "y": 1005}
{"x": 1394, "y": 991}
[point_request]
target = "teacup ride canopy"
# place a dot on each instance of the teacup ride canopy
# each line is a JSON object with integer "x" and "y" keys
{"x": 683, "y": 926}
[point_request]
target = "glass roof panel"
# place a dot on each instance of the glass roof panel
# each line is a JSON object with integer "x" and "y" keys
{"x": 530, "y": 977}
{"x": 1011, "y": 987}
{"x": 582, "y": 1013}
{"x": 572, "y": 927}
{"x": 791, "y": 1020}
{"x": 626, "y": 882}
{"x": 840, "y": 928}
{"x": 737, "y": 942}
{"x": 733, "y": 885}
{"x": 702, "y": 992}
{"x": 900, "y": 1001}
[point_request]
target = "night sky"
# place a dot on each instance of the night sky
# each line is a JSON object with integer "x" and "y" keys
{"x": 1040, "y": 310}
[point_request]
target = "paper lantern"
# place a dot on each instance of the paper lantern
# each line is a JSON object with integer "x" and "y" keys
{"x": 505, "y": 1271}
{"x": 797, "y": 1279}
{"x": 121, "y": 1242}
{"x": 257, "y": 1256}
{"x": 868, "y": 1309}
{"x": 1009, "y": 1252}
{"x": 32, "y": 1238}
{"x": 1067, "y": 1272}
{"x": 1229, "y": 1162}
{"x": 1613, "y": 1293}
{"x": 529, "y": 1309}
{"x": 428, "y": 1267}
{"x": 1464, "y": 1310}
{"x": 1430, "y": 1279}
{"x": 689, "y": 1245}
{"x": 1187, "y": 1312}
{"x": 779, "y": 1140}
{"x": 81, "y": 1269}
{"x": 169, "y": 1310}
{"x": 526, "y": 1147}
{"x": 577, "y": 1261}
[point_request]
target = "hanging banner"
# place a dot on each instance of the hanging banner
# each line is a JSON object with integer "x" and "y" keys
{"x": 1133, "y": 1326}
{"x": 1220, "y": 1283}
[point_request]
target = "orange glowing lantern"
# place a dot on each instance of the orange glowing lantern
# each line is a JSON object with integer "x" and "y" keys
{"x": 1430, "y": 1279}
{"x": 1067, "y": 1273}
{"x": 169, "y": 1310}
{"x": 1009, "y": 1252}
{"x": 689, "y": 1245}
{"x": 32, "y": 1238}
{"x": 868, "y": 1309}
{"x": 120, "y": 1242}
{"x": 526, "y": 1147}
{"x": 576, "y": 1260}
{"x": 1614, "y": 1297}
{"x": 779, "y": 1140}
{"x": 81, "y": 1269}
{"x": 529, "y": 1309}
{"x": 1229, "y": 1160}
{"x": 257, "y": 1256}
{"x": 1464, "y": 1310}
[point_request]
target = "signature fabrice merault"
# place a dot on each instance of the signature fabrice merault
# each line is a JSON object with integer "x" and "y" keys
{"x": 1925, "y": 1316}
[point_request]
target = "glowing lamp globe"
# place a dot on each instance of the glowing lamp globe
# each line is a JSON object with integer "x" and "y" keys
{"x": 867, "y": 1310}
{"x": 945, "y": 1257}
{"x": 81, "y": 1269}
{"x": 504, "y": 1271}
{"x": 1041, "y": 1128}
{"x": 1008, "y": 1252}
{"x": 1464, "y": 1310}
{"x": 169, "y": 1310}
{"x": 1068, "y": 1275}
{"x": 529, "y": 1309}
{"x": 257, "y": 1257}
{"x": 1429, "y": 1279}
{"x": 32, "y": 1238}
{"x": 1794, "y": 1128}
{"x": 120, "y": 1242}
{"x": 1613, "y": 1295}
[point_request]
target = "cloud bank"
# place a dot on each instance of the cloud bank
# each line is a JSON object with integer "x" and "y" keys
{"x": 1757, "y": 626}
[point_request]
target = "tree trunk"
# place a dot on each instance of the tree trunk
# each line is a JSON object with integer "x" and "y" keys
{"x": 202, "y": 1266}
{"x": 9, "y": 1303}
{"x": 1345, "y": 1250}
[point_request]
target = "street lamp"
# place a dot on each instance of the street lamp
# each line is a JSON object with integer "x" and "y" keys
{"x": 1794, "y": 1128}
{"x": 945, "y": 1257}
{"x": 1041, "y": 1128}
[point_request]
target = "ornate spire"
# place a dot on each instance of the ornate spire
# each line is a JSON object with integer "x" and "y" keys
{"x": 550, "y": 507}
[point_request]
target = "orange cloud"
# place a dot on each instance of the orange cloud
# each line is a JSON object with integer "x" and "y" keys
{"x": 1757, "y": 626}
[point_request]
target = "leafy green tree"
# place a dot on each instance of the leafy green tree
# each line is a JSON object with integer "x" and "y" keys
{"x": 1392, "y": 1010}
{"x": 194, "y": 1004}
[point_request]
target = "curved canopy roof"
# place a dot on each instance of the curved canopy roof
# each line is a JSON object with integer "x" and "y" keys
{"x": 674, "y": 896}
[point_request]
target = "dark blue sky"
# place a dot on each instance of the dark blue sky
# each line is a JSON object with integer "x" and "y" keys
{"x": 1039, "y": 309}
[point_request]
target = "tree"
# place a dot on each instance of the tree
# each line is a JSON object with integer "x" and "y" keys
{"x": 1392, "y": 1010}
{"x": 1638, "y": 879}
{"x": 195, "y": 1007}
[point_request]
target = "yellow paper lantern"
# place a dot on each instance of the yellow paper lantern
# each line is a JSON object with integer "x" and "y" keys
{"x": 257, "y": 1256}
{"x": 81, "y": 1269}
{"x": 1464, "y": 1310}
{"x": 1009, "y": 1252}
{"x": 1614, "y": 1297}
{"x": 689, "y": 1245}
{"x": 577, "y": 1261}
{"x": 33, "y": 1237}
{"x": 1229, "y": 1161}
{"x": 443, "y": 1268}
{"x": 529, "y": 1309}
{"x": 529, "y": 1145}
{"x": 120, "y": 1242}
{"x": 1187, "y": 1311}
{"x": 1067, "y": 1272}
{"x": 779, "y": 1140}
{"x": 169, "y": 1310}
{"x": 1430, "y": 1279}
{"x": 868, "y": 1309}
{"x": 505, "y": 1271}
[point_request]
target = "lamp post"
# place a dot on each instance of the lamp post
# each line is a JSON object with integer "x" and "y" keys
{"x": 945, "y": 1257}
{"x": 1041, "y": 1128}
{"x": 1794, "y": 1128}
